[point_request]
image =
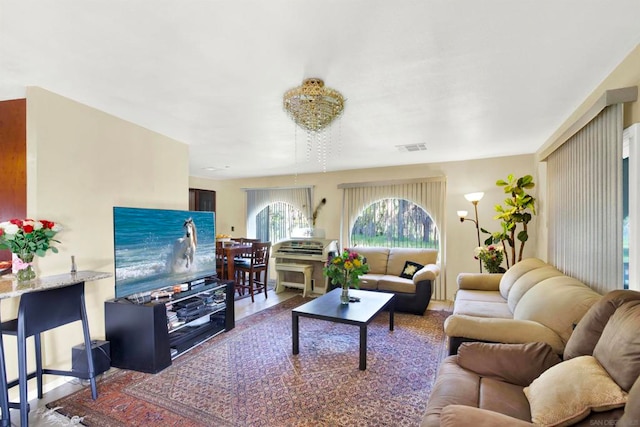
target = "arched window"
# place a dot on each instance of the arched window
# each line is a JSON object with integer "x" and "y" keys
{"x": 276, "y": 221}
{"x": 428, "y": 193}
{"x": 273, "y": 212}
{"x": 395, "y": 222}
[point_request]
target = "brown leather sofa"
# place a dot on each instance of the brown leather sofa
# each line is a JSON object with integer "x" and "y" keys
{"x": 596, "y": 384}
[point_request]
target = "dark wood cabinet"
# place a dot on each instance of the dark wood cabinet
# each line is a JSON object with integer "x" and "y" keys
{"x": 202, "y": 200}
{"x": 13, "y": 162}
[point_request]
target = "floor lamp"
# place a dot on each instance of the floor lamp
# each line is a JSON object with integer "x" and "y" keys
{"x": 473, "y": 198}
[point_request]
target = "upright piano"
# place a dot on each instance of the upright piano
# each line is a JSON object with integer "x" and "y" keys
{"x": 299, "y": 263}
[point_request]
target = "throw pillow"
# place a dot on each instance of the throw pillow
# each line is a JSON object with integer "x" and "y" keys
{"x": 410, "y": 268}
{"x": 567, "y": 392}
{"x": 514, "y": 363}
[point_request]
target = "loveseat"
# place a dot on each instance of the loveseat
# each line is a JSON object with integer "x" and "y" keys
{"x": 386, "y": 265}
{"x": 517, "y": 384}
{"x": 531, "y": 302}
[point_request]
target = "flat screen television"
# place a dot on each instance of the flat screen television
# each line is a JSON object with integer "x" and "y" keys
{"x": 159, "y": 248}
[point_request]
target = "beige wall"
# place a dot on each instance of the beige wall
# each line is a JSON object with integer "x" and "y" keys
{"x": 80, "y": 163}
{"x": 462, "y": 177}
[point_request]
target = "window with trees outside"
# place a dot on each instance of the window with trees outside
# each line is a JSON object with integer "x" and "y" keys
{"x": 276, "y": 221}
{"x": 395, "y": 222}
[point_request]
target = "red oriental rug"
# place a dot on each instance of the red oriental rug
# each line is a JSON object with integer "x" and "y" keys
{"x": 249, "y": 377}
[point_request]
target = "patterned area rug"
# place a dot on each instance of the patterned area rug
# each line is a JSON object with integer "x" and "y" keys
{"x": 248, "y": 377}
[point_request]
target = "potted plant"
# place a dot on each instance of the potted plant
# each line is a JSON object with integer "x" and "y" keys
{"x": 514, "y": 217}
{"x": 492, "y": 257}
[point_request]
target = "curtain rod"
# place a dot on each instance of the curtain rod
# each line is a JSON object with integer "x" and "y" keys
{"x": 391, "y": 182}
{"x": 278, "y": 188}
{"x": 609, "y": 97}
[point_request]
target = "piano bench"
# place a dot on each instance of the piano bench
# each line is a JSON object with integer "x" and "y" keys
{"x": 305, "y": 269}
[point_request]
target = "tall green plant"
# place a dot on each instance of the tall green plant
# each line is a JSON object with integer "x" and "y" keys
{"x": 517, "y": 213}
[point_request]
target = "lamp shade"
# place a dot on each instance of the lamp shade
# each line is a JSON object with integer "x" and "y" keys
{"x": 474, "y": 197}
{"x": 463, "y": 214}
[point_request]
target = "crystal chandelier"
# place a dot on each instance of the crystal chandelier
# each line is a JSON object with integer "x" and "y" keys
{"x": 313, "y": 106}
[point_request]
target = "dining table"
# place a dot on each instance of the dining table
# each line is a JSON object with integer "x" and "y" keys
{"x": 231, "y": 251}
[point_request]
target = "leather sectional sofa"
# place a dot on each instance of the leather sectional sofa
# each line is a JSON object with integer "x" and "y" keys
{"x": 596, "y": 383}
{"x": 413, "y": 292}
{"x": 531, "y": 302}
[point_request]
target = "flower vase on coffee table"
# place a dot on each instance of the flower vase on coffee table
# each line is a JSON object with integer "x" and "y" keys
{"x": 345, "y": 270}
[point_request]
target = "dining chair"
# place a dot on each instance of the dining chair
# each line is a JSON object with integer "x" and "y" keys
{"x": 253, "y": 274}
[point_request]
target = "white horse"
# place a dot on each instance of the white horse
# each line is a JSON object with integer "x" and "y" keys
{"x": 184, "y": 248}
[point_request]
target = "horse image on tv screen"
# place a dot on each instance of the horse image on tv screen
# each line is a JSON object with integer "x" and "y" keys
{"x": 184, "y": 248}
{"x": 157, "y": 248}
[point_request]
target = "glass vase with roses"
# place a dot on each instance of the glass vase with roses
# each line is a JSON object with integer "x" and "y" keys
{"x": 26, "y": 239}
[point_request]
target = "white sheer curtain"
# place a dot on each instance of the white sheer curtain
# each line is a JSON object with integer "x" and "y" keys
{"x": 259, "y": 198}
{"x": 584, "y": 178}
{"x": 429, "y": 193}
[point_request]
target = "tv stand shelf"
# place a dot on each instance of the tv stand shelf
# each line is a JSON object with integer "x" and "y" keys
{"x": 147, "y": 336}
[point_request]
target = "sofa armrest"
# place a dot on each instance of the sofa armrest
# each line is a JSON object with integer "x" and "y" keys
{"x": 509, "y": 331}
{"x": 513, "y": 363}
{"x": 428, "y": 272}
{"x": 461, "y": 416}
{"x": 479, "y": 281}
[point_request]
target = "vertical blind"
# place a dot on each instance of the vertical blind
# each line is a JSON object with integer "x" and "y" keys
{"x": 585, "y": 203}
{"x": 429, "y": 193}
{"x": 259, "y": 198}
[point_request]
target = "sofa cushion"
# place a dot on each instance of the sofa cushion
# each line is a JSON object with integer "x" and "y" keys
{"x": 505, "y": 398}
{"x": 453, "y": 385}
{"x": 527, "y": 281}
{"x": 558, "y": 303}
{"x": 587, "y": 332}
{"x": 632, "y": 408}
{"x": 618, "y": 349}
{"x": 396, "y": 284}
{"x": 369, "y": 281}
{"x": 483, "y": 309}
{"x": 376, "y": 258}
{"x": 460, "y": 415}
{"x": 398, "y": 256}
{"x": 567, "y": 392}
{"x": 410, "y": 269}
{"x": 517, "y": 270}
{"x": 473, "y": 295}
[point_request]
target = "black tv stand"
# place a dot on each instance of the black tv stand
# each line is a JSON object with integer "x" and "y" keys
{"x": 147, "y": 335}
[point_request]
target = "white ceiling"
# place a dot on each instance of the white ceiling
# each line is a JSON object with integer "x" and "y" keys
{"x": 468, "y": 78}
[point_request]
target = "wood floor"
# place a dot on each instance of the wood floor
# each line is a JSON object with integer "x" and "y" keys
{"x": 243, "y": 308}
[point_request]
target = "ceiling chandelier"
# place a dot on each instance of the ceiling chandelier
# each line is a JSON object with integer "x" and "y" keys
{"x": 312, "y": 105}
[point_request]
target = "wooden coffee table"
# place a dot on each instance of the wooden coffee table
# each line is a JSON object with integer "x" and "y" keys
{"x": 328, "y": 307}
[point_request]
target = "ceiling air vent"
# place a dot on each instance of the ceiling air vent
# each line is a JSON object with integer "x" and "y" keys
{"x": 412, "y": 147}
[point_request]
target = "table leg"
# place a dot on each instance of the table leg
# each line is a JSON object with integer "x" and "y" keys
{"x": 295, "y": 333}
{"x": 363, "y": 347}
{"x": 392, "y": 309}
{"x": 231, "y": 271}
